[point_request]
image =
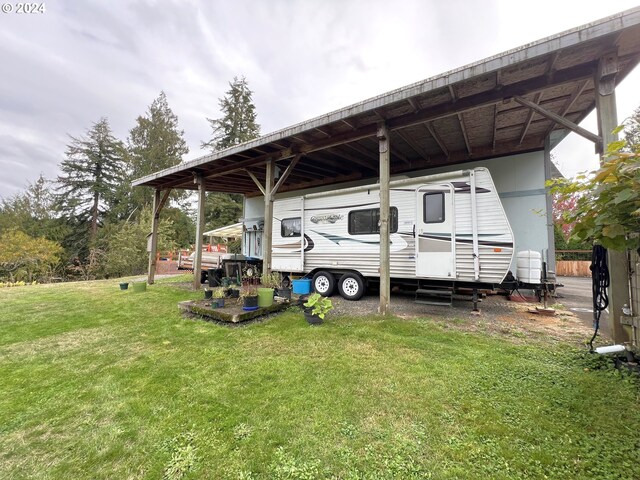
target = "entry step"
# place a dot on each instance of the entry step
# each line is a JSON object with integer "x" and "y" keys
{"x": 442, "y": 297}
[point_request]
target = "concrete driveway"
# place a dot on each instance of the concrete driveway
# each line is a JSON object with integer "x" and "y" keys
{"x": 577, "y": 297}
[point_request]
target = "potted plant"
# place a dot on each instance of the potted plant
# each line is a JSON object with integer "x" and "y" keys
{"x": 249, "y": 295}
{"x": 316, "y": 307}
{"x": 218, "y": 296}
{"x": 269, "y": 282}
{"x": 124, "y": 285}
{"x": 233, "y": 291}
{"x": 208, "y": 293}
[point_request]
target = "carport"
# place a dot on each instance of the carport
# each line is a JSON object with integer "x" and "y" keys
{"x": 523, "y": 100}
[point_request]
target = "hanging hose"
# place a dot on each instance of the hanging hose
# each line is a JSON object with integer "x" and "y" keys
{"x": 599, "y": 283}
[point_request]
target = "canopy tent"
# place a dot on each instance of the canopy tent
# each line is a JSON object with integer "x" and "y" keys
{"x": 229, "y": 231}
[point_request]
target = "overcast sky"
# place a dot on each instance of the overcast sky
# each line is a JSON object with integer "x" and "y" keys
{"x": 79, "y": 61}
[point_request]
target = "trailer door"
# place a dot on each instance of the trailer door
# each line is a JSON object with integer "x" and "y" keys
{"x": 435, "y": 232}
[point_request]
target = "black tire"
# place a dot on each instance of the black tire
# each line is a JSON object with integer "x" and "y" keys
{"x": 324, "y": 283}
{"x": 351, "y": 286}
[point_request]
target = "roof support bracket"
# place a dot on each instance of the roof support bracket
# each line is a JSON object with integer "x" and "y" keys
{"x": 163, "y": 201}
{"x": 256, "y": 181}
{"x": 561, "y": 120}
{"x": 285, "y": 174}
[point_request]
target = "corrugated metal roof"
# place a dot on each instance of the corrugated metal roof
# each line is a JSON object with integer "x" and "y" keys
{"x": 458, "y": 116}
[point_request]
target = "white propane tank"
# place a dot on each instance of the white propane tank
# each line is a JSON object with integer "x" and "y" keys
{"x": 529, "y": 266}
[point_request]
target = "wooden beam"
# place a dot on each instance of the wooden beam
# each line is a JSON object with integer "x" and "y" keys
{"x": 570, "y": 102}
{"x": 318, "y": 129}
{"x": 286, "y": 174}
{"x": 385, "y": 171}
{"x": 354, "y": 159}
{"x": 363, "y": 151}
{"x": 532, "y": 112}
{"x": 495, "y": 126}
{"x": 561, "y": 120}
{"x": 551, "y": 64}
{"x": 267, "y": 235}
{"x": 436, "y": 137}
{"x": 197, "y": 258}
{"x": 155, "y": 220}
{"x": 464, "y": 133}
{"x": 414, "y": 146}
{"x": 348, "y": 124}
{"x": 256, "y": 181}
{"x": 413, "y": 104}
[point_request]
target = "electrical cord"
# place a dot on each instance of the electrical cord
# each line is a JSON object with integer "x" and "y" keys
{"x": 599, "y": 284}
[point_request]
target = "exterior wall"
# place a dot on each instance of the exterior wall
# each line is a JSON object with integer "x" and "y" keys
{"x": 519, "y": 180}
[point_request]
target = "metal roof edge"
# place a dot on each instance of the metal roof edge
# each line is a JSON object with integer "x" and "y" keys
{"x": 565, "y": 39}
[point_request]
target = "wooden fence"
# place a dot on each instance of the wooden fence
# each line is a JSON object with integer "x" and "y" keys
{"x": 573, "y": 263}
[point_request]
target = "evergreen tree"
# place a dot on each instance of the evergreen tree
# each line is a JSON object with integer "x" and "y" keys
{"x": 238, "y": 124}
{"x": 92, "y": 171}
{"x": 155, "y": 143}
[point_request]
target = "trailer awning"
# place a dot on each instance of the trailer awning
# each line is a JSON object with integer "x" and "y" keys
{"x": 506, "y": 104}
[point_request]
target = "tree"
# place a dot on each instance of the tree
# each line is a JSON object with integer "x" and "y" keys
{"x": 607, "y": 209}
{"x": 92, "y": 171}
{"x": 125, "y": 244}
{"x": 632, "y": 131}
{"x": 238, "y": 123}
{"x": 155, "y": 143}
{"x": 23, "y": 257}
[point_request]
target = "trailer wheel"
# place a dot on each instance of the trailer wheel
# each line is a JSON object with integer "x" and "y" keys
{"x": 324, "y": 283}
{"x": 351, "y": 286}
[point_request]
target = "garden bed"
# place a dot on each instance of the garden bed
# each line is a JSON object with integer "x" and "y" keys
{"x": 232, "y": 312}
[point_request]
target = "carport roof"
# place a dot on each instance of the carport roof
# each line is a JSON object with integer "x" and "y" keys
{"x": 462, "y": 115}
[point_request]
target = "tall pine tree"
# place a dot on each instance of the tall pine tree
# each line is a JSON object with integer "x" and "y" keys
{"x": 92, "y": 170}
{"x": 155, "y": 143}
{"x": 238, "y": 124}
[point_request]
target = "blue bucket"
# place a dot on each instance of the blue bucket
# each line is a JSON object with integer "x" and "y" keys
{"x": 302, "y": 286}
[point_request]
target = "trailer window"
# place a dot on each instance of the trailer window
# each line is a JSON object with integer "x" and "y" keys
{"x": 290, "y": 227}
{"x": 364, "y": 222}
{"x": 433, "y": 211}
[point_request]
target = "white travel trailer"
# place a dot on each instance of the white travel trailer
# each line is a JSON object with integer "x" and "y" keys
{"x": 447, "y": 229}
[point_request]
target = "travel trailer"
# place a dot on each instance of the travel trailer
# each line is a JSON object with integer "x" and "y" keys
{"x": 448, "y": 230}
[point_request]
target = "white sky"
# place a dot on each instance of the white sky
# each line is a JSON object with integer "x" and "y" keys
{"x": 64, "y": 69}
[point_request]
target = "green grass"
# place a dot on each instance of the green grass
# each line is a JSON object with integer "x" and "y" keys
{"x": 101, "y": 383}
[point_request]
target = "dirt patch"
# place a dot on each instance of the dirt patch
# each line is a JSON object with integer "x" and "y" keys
{"x": 498, "y": 316}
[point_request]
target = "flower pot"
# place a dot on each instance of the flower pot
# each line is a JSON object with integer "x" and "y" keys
{"x": 124, "y": 286}
{"x": 250, "y": 303}
{"x": 208, "y": 294}
{"x": 284, "y": 293}
{"x": 265, "y": 297}
{"x": 311, "y": 318}
{"x": 220, "y": 302}
{"x": 140, "y": 287}
{"x": 232, "y": 293}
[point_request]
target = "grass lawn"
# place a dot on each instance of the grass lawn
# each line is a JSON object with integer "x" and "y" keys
{"x": 101, "y": 383}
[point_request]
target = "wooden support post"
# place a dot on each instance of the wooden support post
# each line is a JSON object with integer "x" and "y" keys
{"x": 551, "y": 242}
{"x": 151, "y": 272}
{"x": 267, "y": 232}
{"x": 607, "y": 122}
{"x": 385, "y": 168}
{"x": 197, "y": 258}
